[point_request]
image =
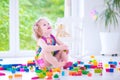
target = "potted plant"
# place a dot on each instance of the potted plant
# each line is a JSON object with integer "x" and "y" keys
{"x": 110, "y": 16}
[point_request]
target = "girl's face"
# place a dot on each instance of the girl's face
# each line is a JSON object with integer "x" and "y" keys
{"x": 45, "y": 26}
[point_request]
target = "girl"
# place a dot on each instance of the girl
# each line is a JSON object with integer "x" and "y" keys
{"x": 50, "y": 50}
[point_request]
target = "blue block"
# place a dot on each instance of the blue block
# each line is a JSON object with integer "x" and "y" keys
{"x": 70, "y": 68}
{"x": 110, "y": 62}
{"x": 16, "y": 65}
{"x": 6, "y": 66}
{"x": 63, "y": 73}
{"x": 26, "y": 70}
{"x": 81, "y": 62}
{"x": 111, "y": 70}
{"x": 87, "y": 66}
{"x": 13, "y": 71}
{"x": 36, "y": 68}
{"x": 1, "y": 59}
{"x": 75, "y": 65}
{"x": 115, "y": 63}
{"x": 17, "y": 69}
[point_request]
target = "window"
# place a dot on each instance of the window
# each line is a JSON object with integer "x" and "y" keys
{"x": 30, "y": 11}
{"x": 4, "y": 25}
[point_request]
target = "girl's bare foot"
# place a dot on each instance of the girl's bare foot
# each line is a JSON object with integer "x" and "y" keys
{"x": 61, "y": 64}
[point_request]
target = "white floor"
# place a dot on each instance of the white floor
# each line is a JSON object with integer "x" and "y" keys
{"x": 29, "y": 75}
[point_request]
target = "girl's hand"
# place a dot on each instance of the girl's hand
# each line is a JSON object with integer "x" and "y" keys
{"x": 66, "y": 49}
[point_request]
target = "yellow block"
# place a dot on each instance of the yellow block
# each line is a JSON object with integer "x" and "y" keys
{"x": 106, "y": 65}
{"x": 92, "y": 56}
{"x": 10, "y": 76}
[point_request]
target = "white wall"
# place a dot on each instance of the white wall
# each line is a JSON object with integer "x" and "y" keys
{"x": 91, "y": 28}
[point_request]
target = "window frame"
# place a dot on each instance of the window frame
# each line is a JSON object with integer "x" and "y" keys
{"x": 14, "y": 43}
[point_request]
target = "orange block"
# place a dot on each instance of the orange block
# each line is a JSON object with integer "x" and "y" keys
{"x": 49, "y": 74}
{"x": 70, "y": 73}
{"x": 17, "y": 75}
{"x": 56, "y": 70}
{"x": 92, "y": 56}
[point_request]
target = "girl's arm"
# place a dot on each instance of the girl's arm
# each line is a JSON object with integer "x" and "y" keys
{"x": 61, "y": 43}
{"x": 50, "y": 48}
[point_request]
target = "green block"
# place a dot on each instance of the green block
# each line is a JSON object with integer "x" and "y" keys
{"x": 85, "y": 72}
{"x": 98, "y": 70}
{"x": 75, "y": 68}
{"x": 38, "y": 71}
{"x": 56, "y": 76}
{"x": 41, "y": 75}
{"x": 25, "y": 67}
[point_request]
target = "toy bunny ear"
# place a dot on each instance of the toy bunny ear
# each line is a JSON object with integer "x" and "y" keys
{"x": 61, "y": 26}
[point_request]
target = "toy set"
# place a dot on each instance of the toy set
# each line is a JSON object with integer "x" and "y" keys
{"x": 77, "y": 68}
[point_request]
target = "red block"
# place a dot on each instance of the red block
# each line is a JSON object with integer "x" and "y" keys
{"x": 107, "y": 70}
{"x": 1, "y": 68}
{"x": 112, "y": 66}
{"x": 2, "y": 74}
{"x": 93, "y": 66}
{"x": 83, "y": 68}
{"x": 79, "y": 73}
{"x": 78, "y": 62}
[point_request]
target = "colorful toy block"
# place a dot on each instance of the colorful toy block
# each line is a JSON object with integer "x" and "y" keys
{"x": 98, "y": 70}
{"x": 10, "y": 77}
{"x": 48, "y": 78}
{"x": 17, "y": 76}
{"x": 112, "y": 66}
{"x": 87, "y": 66}
{"x": 83, "y": 68}
{"x": 85, "y": 72}
{"x": 1, "y": 59}
{"x": 110, "y": 70}
{"x": 2, "y": 74}
{"x": 112, "y": 62}
{"x": 35, "y": 78}
{"x": 89, "y": 74}
{"x": 56, "y": 77}
{"x": 93, "y": 66}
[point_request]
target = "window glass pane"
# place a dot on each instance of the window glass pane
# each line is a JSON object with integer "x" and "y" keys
{"x": 4, "y": 25}
{"x": 31, "y": 10}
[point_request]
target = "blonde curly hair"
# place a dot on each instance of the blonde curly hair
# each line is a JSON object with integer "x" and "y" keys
{"x": 37, "y": 28}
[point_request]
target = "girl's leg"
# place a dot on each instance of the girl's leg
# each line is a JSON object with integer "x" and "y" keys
{"x": 52, "y": 60}
{"x": 58, "y": 56}
{"x": 64, "y": 56}
{"x": 46, "y": 63}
